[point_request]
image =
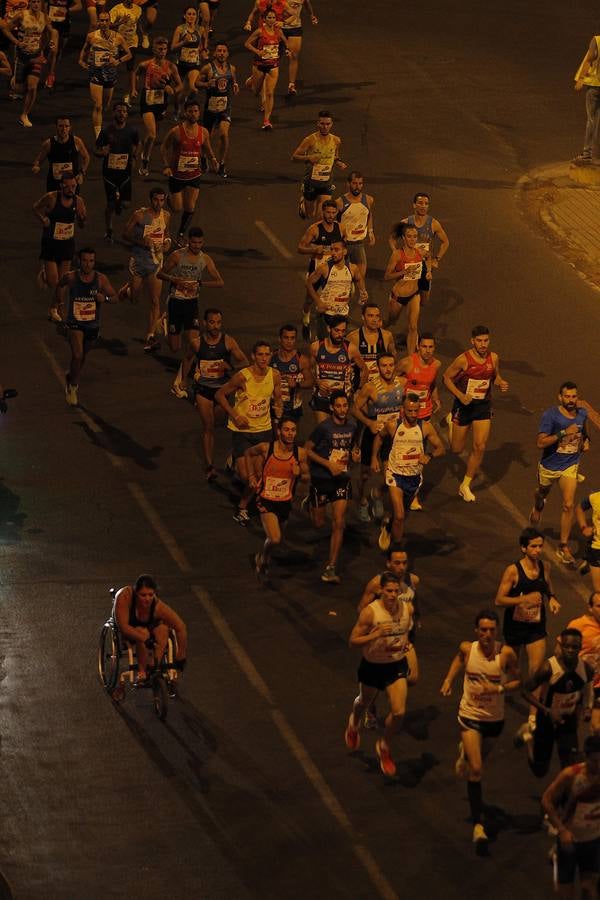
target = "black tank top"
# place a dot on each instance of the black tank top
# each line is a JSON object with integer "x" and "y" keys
{"x": 60, "y": 217}
{"x": 516, "y": 624}
{"x": 324, "y": 239}
{"x": 59, "y": 156}
{"x": 207, "y": 354}
{"x": 150, "y": 622}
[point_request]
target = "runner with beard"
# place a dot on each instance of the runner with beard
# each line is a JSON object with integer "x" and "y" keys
{"x": 319, "y": 152}
{"x": 355, "y": 213}
{"x": 316, "y": 243}
{"x": 333, "y": 360}
{"x": 117, "y": 145}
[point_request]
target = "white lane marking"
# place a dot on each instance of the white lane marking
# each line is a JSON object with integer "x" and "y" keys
{"x": 272, "y": 237}
{"x": 167, "y": 539}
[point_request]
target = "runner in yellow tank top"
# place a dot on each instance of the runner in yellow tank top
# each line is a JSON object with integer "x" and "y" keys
{"x": 320, "y": 151}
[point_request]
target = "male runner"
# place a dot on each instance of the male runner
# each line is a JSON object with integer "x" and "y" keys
{"x": 382, "y": 632}
{"x": 371, "y": 339}
{"x": 117, "y": 146}
{"x": 491, "y": 670}
{"x": 158, "y": 79}
{"x": 320, "y": 152}
{"x": 30, "y": 30}
{"x": 103, "y": 51}
{"x": 59, "y": 15}
{"x": 469, "y": 379}
{"x": 355, "y": 213}
{"x": 66, "y": 154}
{"x": 330, "y": 287}
{"x": 219, "y": 79}
{"x": 333, "y": 361}
{"x": 592, "y": 535}
{"x": 316, "y": 244}
{"x": 85, "y": 289}
{"x": 588, "y": 77}
{"x": 589, "y": 626}
{"x": 124, "y": 18}
{"x": 217, "y": 356}
{"x": 295, "y": 370}
{"x": 562, "y": 438}
{"x": 432, "y": 240}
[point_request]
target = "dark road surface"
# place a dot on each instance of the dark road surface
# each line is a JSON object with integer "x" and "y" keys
{"x": 247, "y": 790}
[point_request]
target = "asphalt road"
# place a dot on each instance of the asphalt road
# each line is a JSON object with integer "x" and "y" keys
{"x": 247, "y": 790}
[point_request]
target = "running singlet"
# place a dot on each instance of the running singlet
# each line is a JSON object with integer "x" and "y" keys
{"x": 477, "y": 378}
{"x": 218, "y": 98}
{"x": 333, "y": 442}
{"x": 354, "y": 217}
{"x": 566, "y": 453}
{"x": 135, "y": 622}
{"x": 475, "y": 703}
{"x": 209, "y": 359}
{"x": 125, "y": 20}
{"x": 63, "y": 158}
{"x": 268, "y": 45}
{"x": 517, "y": 618}
{"x": 392, "y": 647}
{"x": 590, "y": 652}
{"x": 278, "y": 479}
{"x": 62, "y": 221}
{"x": 424, "y": 234}
{"x": 58, "y": 13}
{"x": 294, "y": 8}
{"x": 420, "y": 379}
{"x": 325, "y": 239}
{"x": 189, "y": 152}
{"x": 325, "y": 149}
{"x": 592, "y": 502}
{"x": 30, "y": 33}
{"x": 83, "y": 310}
{"x": 388, "y": 400}
{"x": 156, "y": 78}
{"x": 190, "y": 267}
{"x": 410, "y": 269}
{"x": 406, "y": 451}
{"x": 370, "y": 352}
{"x": 582, "y": 816}
{"x": 120, "y": 143}
{"x": 564, "y": 691}
{"x": 335, "y": 293}
{"x": 334, "y": 368}
{"x": 189, "y": 52}
{"x": 265, "y": 6}
{"x": 102, "y": 49}
{"x": 290, "y": 395}
{"x": 254, "y": 403}
{"x": 151, "y": 227}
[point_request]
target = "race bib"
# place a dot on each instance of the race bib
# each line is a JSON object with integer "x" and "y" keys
{"x": 84, "y": 310}
{"x": 118, "y": 161}
{"x": 155, "y": 97}
{"x": 257, "y": 408}
{"x": 101, "y": 58}
{"x": 570, "y": 443}
{"x": 155, "y": 233}
{"x": 31, "y": 43}
{"x": 338, "y": 306}
{"x": 387, "y": 416}
{"x": 423, "y": 396}
{"x": 217, "y": 104}
{"x": 57, "y": 13}
{"x": 276, "y": 488}
{"x": 189, "y": 55}
{"x": 186, "y": 290}
{"x": 340, "y": 456}
{"x": 412, "y": 271}
{"x": 478, "y": 388}
{"x": 63, "y": 231}
{"x": 270, "y": 52}
{"x": 210, "y": 368}
{"x": 59, "y": 168}
{"x": 526, "y": 613}
{"x": 188, "y": 162}
{"x": 320, "y": 172}
{"x": 565, "y": 704}
{"x": 423, "y": 248}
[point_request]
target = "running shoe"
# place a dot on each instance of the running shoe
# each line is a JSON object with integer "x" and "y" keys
{"x": 479, "y": 835}
{"x": 211, "y": 473}
{"x": 242, "y": 517}
{"x": 108, "y": 236}
{"x": 222, "y": 172}
{"x": 151, "y": 344}
{"x": 143, "y": 169}
{"x": 25, "y": 121}
{"x": 582, "y": 159}
{"x": 584, "y": 567}
{"x": 127, "y": 100}
{"x": 71, "y": 394}
{"x": 145, "y": 41}
{"x": 580, "y": 477}
{"x": 564, "y": 555}
{"x": 291, "y": 89}
{"x": 352, "y": 735}
{"x": 536, "y": 514}
{"x": 386, "y": 763}
{"x": 415, "y": 505}
{"x": 376, "y": 505}
{"x": 178, "y": 391}
{"x": 461, "y": 766}
{"x": 266, "y": 125}
{"x": 363, "y": 512}
{"x": 330, "y": 576}
{"x": 466, "y": 493}
{"x": 54, "y": 315}
{"x": 385, "y": 535}
{"x": 50, "y": 81}
{"x": 370, "y": 718}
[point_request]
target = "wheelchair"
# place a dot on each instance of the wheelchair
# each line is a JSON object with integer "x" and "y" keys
{"x": 117, "y": 666}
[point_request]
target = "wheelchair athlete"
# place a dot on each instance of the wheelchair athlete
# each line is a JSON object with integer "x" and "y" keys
{"x": 144, "y": 620}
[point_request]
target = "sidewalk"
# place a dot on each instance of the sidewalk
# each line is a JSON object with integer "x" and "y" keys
{"x": 564, "y": 202}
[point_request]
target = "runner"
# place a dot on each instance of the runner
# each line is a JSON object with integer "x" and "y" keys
{"x": 330, "y": 449}
{"x": 589, "y": 626}
{"x": 208, "y": 10}
{"x": 316, "y": 243}
{"x": 257, "y": 388}
{"x": 378, "y": 401}
{"x": 490, "y": 671}
{"x": 181, "y": 151}
{"x": 277, "y": 467}
{"x": 124, "y": 19}
{"x": 117, "y": 146}
{"x": 190, "y": 43}
{"x": 265, "y": 43}
{"x": 59, "y": 15}
{"x": 65, "y": 152}
{"x": 355, "y": 213}
{"x": 592, "y": 535}
{"x": 30, "y": 30}
{"x": 371, "y": 340}
{"x": 218, "y": 355}
{"x": 158, "y": 79}
{"x": 404, "y": 472}
{"x": 469, "y": 379}
{"x": 295, "y": 370}
{"x": 524, "y": 591}
{"x": 432, "y": 240}
{"x": 559, "y": 690}
{"x": 261, "y": 8}
{"x": 562, "y": 438}
{"x": 103, "y": 51}
{"x": 334, "y": 280}
{"x": 58, "y": 211}
{"x": 292, "y": 29}
{"x": 85, "y": 289}
{"x": 93, "y": 9}
{"x": 219, "y": 79}
{"x": 148, "y": 20}
{"x": 320, "y": 152}
{"x": 588, "y": 77}
{"x": 148, "y": 233}
{"x": 333, "y": 360}
{"x": 406, "y": 268}
{"x": 382, "y": 633}
{"x": 572, "y": 804}
{"x": 184, "y": 271}
{"x": 420, "y": 371}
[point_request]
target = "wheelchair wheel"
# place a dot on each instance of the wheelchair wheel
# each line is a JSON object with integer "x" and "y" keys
{"x": 108, "y": 657}
{"x": 160, "y": 698}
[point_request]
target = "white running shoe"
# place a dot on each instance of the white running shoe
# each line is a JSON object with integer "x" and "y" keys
{"x": 466, "y": 493}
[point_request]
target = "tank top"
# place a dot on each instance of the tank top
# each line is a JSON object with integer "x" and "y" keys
{"x": 424, "y": 234}
{"x": 136, "y": 622}
{"x": 582, "y": 814}
{"x": 564, "y": 691}
{"x": 411, "y": 269}
{"x": 268, "y": 45}
{"x": 153, "y": 227}
{"x": 520, "y": 619}
{"x": 592, "y": 79}
{"x": 419, "y": 380}
{"x": 156, "y": 77}
{"x": 278, "y": 7}
{"x": 30, "y": 33}
{"x": 278, "y": 480}
{"x": 477, "y": 378}
{"x": 334, "y": 368}
{"x": 189, "y": 52}
{"x": 335, "y": 293}
{"x": 83, "y": 310}
{"x": 101, "y": 50}
{"x": 62, "y": 158}
{"x": 407, "y": 448}
{"x": 474, "y": 704}
{"x": 590, "y": 653}
{"x": 218, "y": 98}
{"x": 294, "y": 8}
{"x": 393, "y": 647}
{"x": 62, "y": 221}
{"x": 189, "y": 151}
{"x": 190, "y": 267}
{"x": 354, "y": 218}
{"x": 58, "y": 12}
{"x": 290, "y": 395}
{"x": 325, "y": 149}
{"x": 208, "y": 371}
{"x": 388, "y": 399}
{"x": 254, "y": 402}
{"x": 370, "y": 352}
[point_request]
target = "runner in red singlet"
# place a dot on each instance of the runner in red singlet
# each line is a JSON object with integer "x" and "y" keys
{"x": 265, "y": 43}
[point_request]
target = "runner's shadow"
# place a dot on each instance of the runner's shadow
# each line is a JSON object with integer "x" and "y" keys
{"x": 498, "y": 820}
{"x": 433, "y": 544}
{"x": 411, "y": 772}
{"x": 499, "y": 461}
{"x": 11, "y": 520}
{"x": 417, "y": 722}
{"x": 169, "y": 363}
{"x": 237, "y": 252}
{"x": 111, "y": 345}
{"x": 522, "y": 366}
{"x": 119, "y": 443}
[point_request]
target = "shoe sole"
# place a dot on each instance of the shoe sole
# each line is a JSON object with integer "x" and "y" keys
{"x": 353, "y": 744}
{"x": 389, "y": 774}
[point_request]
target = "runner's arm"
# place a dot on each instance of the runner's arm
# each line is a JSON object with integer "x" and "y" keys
{"x": 390, "y": 273}
{"x": 104, "y": 286}
{"x": 234, "y": 384}
{"x": 312, "y": 280}
{"x": 42, "y": 155}
{"x": 85, "y": 51}
{"x": 277, "y": 397}
{"x": 442, "y": 238}
{"x": 507, "y": 583}
{"x": 499, "y": 380}
{"x": 363, "y": 631}
{"x": 371, "y": 221}
{"x": 134, "y": 220}
{"x": 551, "y": 799}
{"x": 170, "y": 618}
{"x": 255, "y": 458}
{"x": 455, "y": 666}
{"x": 301, "y": 153}
{"x": 251, "y": 42}
{"x": 43, "y": 206}
{"x": 553, "y": 603}
{"x": 455, "y": 368}
{"x": 306, "y": 246}
{"x": 370, "y": 592}
{"x": 240, "y": 358}
{"x": 178, "y": 40}
{"x": 216, "y": 278}
{"x": 510, "y": 666}
{"x": 303, "y": 463}
{"x": 434, "y": 439}
{"x": 361, "y": 398}
{"x": 211, "y": 154}
{"x": 84, "y": 156}
{"x": 356, "y": 358}
{"x": 358, "y": 279}
{"x": 534, "y": 681}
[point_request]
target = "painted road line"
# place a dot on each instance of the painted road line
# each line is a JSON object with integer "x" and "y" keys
{"x": 272, "y": 237}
